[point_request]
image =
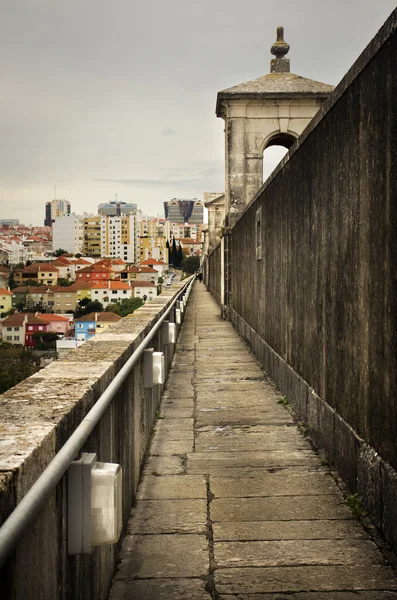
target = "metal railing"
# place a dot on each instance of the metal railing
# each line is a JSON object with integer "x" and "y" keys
{"x": 25, "y": 512}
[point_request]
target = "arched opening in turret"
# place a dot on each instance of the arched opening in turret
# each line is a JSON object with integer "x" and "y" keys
{"x": 274, "y": 151}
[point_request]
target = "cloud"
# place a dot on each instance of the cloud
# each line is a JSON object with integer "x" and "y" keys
{"x": 168, "y": 131}
{"x": 200, "y": 175}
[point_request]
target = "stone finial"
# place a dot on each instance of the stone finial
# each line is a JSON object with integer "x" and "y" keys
{"x": 280, "y": 64}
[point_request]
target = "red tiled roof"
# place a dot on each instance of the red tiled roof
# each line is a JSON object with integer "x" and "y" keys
{"x": 4, "y": 292}
{"x": 33, "y": 320}
{"x": 16, "y": 320}
{"x": 96, "y": 268}
{"x": 33, "y": 289}
{"x": 111, "y": 285}
{"x": 80, "y": 285}
{"x": 45, "y": 267}
{"x": 100, "y": 316}
{"x": 54, "y": 318}
{"x": 147, "y": 270}
{"x": 153, "y": 261}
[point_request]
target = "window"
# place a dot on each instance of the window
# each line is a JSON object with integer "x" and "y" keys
{"x": 114, "y": 291}
{"x": 40, "y": 328}
{"x": 9, "y": 328}
{"x": 16, "y": 328}
{"x": 9, "y": 338}
{"x": 124, "y": 291}
{"x": 30, "y": 327}
{"x": 16, "y": 338}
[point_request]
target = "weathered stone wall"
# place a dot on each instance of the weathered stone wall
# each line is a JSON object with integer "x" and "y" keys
{"x": 38, "y": 416}
{"x": 321, "y": 312}
{"x": 212, "y": 274}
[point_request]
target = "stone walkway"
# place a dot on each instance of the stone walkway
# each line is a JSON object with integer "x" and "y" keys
{"x": 234, "y": 503}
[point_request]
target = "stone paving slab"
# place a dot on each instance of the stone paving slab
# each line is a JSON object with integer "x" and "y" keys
{"x": 168, "y": 516}
{"x": 164, "y": 465}
{"x": 160, "y": 589}
{"x": 288, "y": 530}
{"x": 152, "y": 556}
{"x": 290, "y": 553}
{"x": 280, "y": 483}
{"x": 234, "y": 503}
{"x": 163, "y": 447}
{"x": 167, "y": 488}
{"x": 170, "y": 425}
{"x": 309, "y": 578}
{"x": 279, "y": 508}
{"x": 203, "y": 462}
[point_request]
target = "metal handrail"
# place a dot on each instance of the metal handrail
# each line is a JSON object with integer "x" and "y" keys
{"x": 24, "y": 513}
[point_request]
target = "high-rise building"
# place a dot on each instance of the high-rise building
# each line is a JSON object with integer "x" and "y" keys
{"x": 56, "y": 208}
{"x": 68, "y": 234}
{"x": 118, "y": 236}
{"x": 184, "y": 211}
{"x": 113, "y": 209}
{"x": 92, "y": 236}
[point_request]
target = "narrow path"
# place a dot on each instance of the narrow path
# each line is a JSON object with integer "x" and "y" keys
{"x": 234, "y": 502}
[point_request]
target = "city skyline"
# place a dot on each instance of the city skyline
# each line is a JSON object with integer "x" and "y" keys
{"x": 102, "y": 100}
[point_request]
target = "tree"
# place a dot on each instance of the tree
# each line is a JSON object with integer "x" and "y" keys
{"x": 169, "y": 252}
{"x": 173, "y": 252}
{"x": 31, "y": 282}
{"x": 179, "y": 256}
{"x": 60, "y": 251}
{"x": 63, "y": 282}
{"x": 45, "y": 340}
{"x": 113, "y": 308}
{"x": 87, "y": 306}
{"x": 15, "y": 365}
{"x": 11, "y": 282}
{"x": 191, "y": 264}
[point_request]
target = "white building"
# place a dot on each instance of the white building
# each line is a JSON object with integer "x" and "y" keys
{"x": 144, "y": 290}
{"x": 68, "y": 233}
{"x": 118, "y": 237}
{"x": 110, "y": 291}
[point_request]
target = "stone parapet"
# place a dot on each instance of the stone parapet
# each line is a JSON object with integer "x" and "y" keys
{"x": 39, "y": 415}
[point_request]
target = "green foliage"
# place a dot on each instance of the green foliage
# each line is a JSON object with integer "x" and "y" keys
{"x": 31, "y": 282}
{"x": 15, "y": 365}
{"x": 283, "y": 401}
{"x": 60, "y": 251}
{"x": 87, "y": 306}
{"x": 178, "y": 257}
{"x": 45, "y": 340}
{"x": 125, "y": 307}
{"x": 191, "y": 264}
{"x": 62, "y": 281}
{"x": 113, "y": 308}
{"x": 3, "y": 315}
{"x": 354, "y": 502}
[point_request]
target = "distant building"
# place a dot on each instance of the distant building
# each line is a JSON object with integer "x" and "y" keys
{"x": 113, "y": 209}
{"x": 153, "y": 247}
{"x": 184, "y": 211}
{"x": 118, "y": 237}
{"x": 68, "y": 234}
{"x": 8, "y": 222}
{"x": 92, "y": 236}
{"x": 54, "y": 209}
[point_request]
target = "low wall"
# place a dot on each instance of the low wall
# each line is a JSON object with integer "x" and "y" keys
{"x": 313, "y": 278}
{"x": 38, "y": 416}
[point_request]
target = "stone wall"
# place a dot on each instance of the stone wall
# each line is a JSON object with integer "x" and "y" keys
{"x": 317, "y": 250}
{"x": 38, "y": 416}
{"x": 212, "y": 273}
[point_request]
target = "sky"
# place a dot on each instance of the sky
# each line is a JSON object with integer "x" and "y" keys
{"x": 100, "y": 98}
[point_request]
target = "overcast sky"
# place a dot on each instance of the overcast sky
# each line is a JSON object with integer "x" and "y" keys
{"x": 118, "y": 96}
